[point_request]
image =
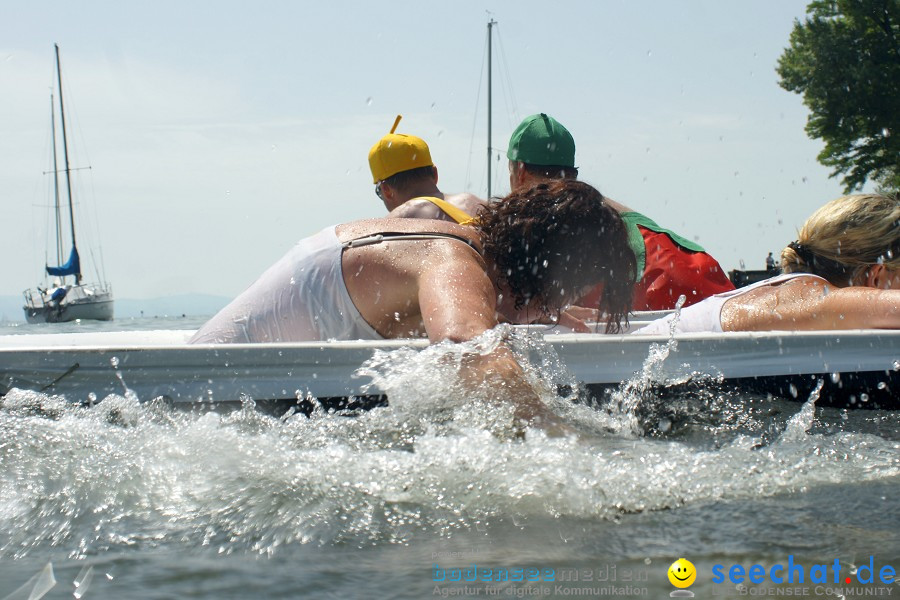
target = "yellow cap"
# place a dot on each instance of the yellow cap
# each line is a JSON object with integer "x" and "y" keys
{"x": 397, "y": 152}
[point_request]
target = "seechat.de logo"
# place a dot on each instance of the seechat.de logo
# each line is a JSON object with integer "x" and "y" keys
{"x": 794, "y": 572}
{"x": 682, "y": 573}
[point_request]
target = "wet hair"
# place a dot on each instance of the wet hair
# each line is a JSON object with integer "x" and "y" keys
{"x": 555, "y": 239}
{"x": 844, "y": 237}
{"x": 551, "y": 171}
{"x": 404, "y": 179}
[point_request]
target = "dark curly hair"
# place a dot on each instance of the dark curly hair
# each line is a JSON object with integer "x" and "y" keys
{"x": 552, "y": 241}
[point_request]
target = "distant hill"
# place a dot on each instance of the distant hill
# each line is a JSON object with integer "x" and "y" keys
{"x": 190, "y": 305}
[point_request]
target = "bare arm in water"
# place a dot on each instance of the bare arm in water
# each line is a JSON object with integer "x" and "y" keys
{"x": 458, "y": 303}
{"x": 443, "y": 286}
{"x": 808, "y": 303}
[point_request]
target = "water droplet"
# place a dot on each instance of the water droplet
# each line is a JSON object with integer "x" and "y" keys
{"x": 649, "y": 53}
{"x": 886, "y": 132}
{"x": 114, "y": 361}
{"x": 896, "y": 365}
{"x": 369, "y": 101}
{"x": 835, "y": 378}
{"x": 647, "y": 561}
{"x": 793, "y": 390}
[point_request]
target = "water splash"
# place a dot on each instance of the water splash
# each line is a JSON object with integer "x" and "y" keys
{"x": 800, "y": 423}
{"x": 626, "y": 400}
{"x": 83, "y": 581}
{"x": 438, "y": 459}
{"x": 129, "y": 393}
{"x": 37, "y": 587}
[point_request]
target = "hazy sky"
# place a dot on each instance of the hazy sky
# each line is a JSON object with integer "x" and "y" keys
{"x": 219, "y": 133}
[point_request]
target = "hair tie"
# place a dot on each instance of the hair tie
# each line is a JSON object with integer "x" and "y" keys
{"x": 803, "y": 252}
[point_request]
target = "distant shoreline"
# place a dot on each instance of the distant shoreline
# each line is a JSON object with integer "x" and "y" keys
{"x": 167, "y": 307}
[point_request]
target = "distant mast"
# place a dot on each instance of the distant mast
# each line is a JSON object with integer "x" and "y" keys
{"x": 62, "y": 116}
{"x": 59, "y": 240}
{"x": 491, "y": 23}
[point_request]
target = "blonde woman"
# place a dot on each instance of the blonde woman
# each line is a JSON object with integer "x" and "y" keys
{"x": 843, "y": 272}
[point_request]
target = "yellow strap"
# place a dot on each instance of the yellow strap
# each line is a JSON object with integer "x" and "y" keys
{"x": 457, "y": 214}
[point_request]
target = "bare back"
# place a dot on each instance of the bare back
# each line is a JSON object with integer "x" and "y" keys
{"x": 413, "y": 287}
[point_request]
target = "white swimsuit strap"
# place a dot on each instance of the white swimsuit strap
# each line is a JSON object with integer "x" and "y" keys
{"x": 391, "y": 236}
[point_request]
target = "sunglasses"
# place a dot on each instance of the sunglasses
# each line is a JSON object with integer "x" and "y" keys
{"x": 378, "y": 190}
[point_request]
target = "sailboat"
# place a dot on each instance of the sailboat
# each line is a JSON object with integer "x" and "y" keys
{"x": 63, "y": 299}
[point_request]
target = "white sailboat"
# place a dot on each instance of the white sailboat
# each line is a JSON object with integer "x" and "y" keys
{"x": 62, "y": 299}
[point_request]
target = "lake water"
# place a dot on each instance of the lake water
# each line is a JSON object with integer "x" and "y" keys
{"x": 435, "y": 496}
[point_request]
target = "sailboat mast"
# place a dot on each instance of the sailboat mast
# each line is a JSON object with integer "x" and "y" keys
{"x": 491, "y": 23}
{"x": 62, "y": 116}
{"x": 59, "y": 242}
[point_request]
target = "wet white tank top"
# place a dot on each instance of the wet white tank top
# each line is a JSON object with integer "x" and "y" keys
{"x": 302, "y": 297}
{"x": 706, "y": 315}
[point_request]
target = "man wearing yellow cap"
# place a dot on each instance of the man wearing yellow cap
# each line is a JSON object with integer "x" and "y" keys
{"x": 406, "y": 181}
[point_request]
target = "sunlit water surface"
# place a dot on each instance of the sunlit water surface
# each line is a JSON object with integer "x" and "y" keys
{"x": 135, "y": 499}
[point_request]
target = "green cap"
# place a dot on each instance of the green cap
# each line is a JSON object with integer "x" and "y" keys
{"x": 542, "y": 140}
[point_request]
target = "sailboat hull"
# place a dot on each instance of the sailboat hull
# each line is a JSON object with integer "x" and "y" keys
{"x": 82, "y": 302}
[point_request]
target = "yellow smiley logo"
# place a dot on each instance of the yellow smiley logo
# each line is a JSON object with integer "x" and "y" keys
{"x": 682, "y": 573}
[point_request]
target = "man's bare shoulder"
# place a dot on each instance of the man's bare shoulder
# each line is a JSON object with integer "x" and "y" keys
{"x": 617, "y": 206}
{"x": 418, "y": 209}
{"x": 470, "y": 203}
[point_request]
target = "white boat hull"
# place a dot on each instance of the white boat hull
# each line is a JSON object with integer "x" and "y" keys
{"x": 83, "y": 302}
{"x": 862, "y": 367}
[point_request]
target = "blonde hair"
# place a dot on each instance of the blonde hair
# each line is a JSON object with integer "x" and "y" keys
{"x": 845, "y": 236}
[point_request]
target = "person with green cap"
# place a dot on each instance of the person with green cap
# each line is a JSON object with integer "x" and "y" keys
{"x": 668, "y": 265}
{"x": 406, "y": 179}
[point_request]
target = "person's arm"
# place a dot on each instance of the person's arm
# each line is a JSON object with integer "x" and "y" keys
{"x": 458, "y": 303}
{"x": 807, "y": 304}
